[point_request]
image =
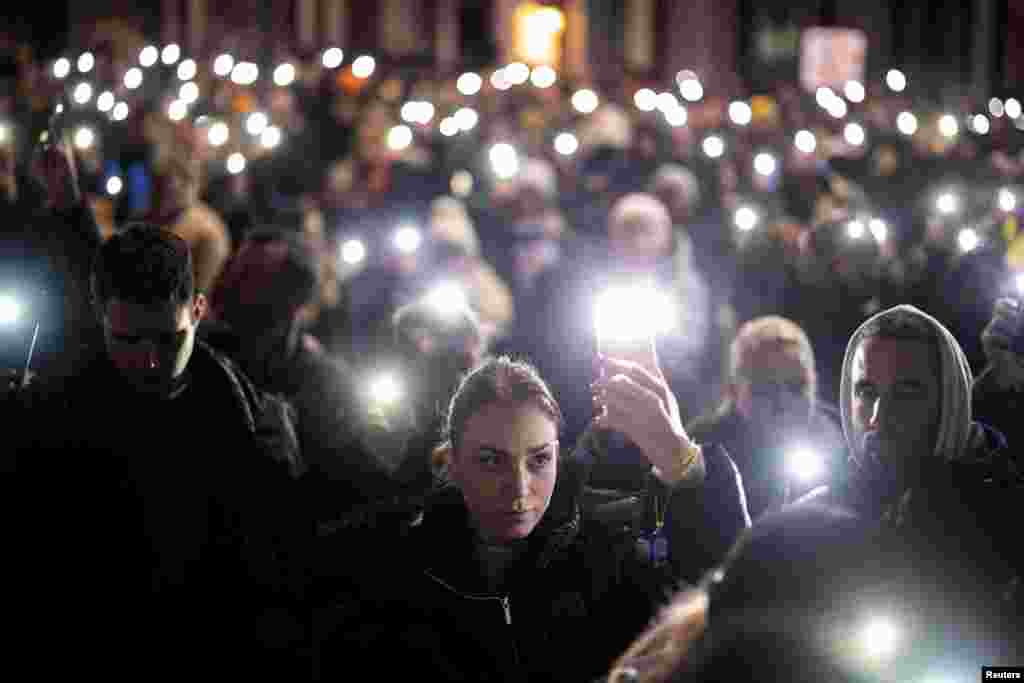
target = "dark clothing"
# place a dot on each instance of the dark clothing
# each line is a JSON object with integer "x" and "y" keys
{"x": 340, "y": 474}
{"x": 959, "y": 514}
{"x": 415, "y": 602}
{"x": 761, "y": 459}
{"x": 1001, "y": 408}
{"x": 168, "y": 517}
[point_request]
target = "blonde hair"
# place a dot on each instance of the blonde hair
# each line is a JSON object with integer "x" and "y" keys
{"x": 769, "y": 331}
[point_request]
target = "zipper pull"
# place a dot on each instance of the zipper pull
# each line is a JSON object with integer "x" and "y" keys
{"x": 506, "y": 605}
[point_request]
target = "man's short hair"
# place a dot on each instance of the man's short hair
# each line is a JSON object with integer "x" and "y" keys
{"x": 769, "y": 331}
{"x": 420, "y": 316}
{"x": 143, "y": 264}
{"x": 301, "y": 274}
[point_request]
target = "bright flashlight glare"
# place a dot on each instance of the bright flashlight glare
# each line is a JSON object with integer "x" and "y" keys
{"x": 466, "y": 118}
{"x": 691, "y": 89}
{"x": 499, "y": 80}
{"x": 745, "y": 219}
{"x": 114, "y": 185}
{"x": 543, "y": 77}
{"x": 667, "y": 102}
{"x": 469, "y": 83}
{"x": 854, "y": 134}
{"x": 84, "y": 138}
{"x": 855, "y": 229}
{"x": 189, "y": 92}
{"x": 907, "y": 123}
{"x": 223, "y": 65}
{"x": 585, "y": 101}
{"x": 148, "y": 56}
{"x": 740, "y": 113}
{"x": 236, "y": 163}
{"x": 995, "y": 107}
{"x": 504, "y": 160}
{"x": 879, "y": 638}
{"x": 1019, "y": 281}
{"x": 854, "y": 91}
{"x": 363, "y": 66}
{"x": 896, "y": 80}
{"x": 284, "y": 75}
{"x": 83, "y": 93}
{"x": 245, "y": 73}
{"x": 838, "y": 108}
{"x": 271, "y": 137}
{"x": 353, "y": 252}
{"x": 517, "y": 73}
{"x": 825, "y": 97}
{"x": 177, "y": 110}
{"x": 399, "y": 138}
{"x": 765, "y": 164}
{"x": 10, "y": 309}
{"x": 332, "y": 58}
{"x": 879, "y": 229}
{"x": 631, "y": 314}
{"x": 981, "y": 124}
{"x": 218, "y": 134}
{"x": 1013, "y": 108}
{"x": 676, "y": 117}
{"x": 713, "y": 146}
{"x": 105, "y": 102}
{"x": 86, "y": 62}
{"x": 133, "y": 78}
{"x": 448, "y": 127}
{"x": 256, "y": 123}
{"x": 120, "y": 112}
{"x": 805, "y": 142}
{"x": 1007, "y": 200}
{"x": 187, "y": 70}
{"x": 806, "y": 465}
{"x": 946, "y": 203}
{"x": 948, "y": 126}
{"x": 170, "y": 54}
{"x": 61, "y": 68}
{"x": 645, "y": 99}
{"x": 566, "y": 144}
{"x": 448, "y": 299}
{"x": 968, "y": 240}
{"x": 408, "y": 239}
{"x": 385, "y": 390}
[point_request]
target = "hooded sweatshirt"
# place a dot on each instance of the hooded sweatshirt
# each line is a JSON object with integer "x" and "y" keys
{"x": 956, "y": 430}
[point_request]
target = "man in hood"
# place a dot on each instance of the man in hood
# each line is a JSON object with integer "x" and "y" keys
{"x": 919, "y": 464}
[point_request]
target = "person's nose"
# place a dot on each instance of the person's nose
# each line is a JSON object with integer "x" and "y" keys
{"x": 519, "y": 481}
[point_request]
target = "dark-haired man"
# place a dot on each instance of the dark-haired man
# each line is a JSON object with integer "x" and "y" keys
{"x": 160, "y": 478}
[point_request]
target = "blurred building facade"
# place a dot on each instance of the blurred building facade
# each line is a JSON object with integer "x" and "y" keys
{"x": 966, "y": 42}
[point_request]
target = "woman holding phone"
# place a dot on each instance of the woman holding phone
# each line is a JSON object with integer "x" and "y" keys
{"x": 502, "y": 578}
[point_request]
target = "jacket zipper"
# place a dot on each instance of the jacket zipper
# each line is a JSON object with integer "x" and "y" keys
{"x": 506, "y": 607}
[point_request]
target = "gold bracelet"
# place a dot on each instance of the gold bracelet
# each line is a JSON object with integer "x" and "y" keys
{"x": 681, "y": 466}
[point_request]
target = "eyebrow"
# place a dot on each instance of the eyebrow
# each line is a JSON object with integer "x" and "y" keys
{"x": 533, "y": 451}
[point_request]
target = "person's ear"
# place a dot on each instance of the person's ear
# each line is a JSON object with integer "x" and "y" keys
{"x": 200, "y": 307}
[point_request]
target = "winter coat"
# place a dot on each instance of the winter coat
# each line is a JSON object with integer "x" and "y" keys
{"x": 169, "y": 518}
{"x": 414, "y": 603}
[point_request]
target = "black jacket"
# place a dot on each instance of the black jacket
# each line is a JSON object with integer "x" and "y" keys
{"x": 412, "y": 602}
{"x": 168, "y": 517}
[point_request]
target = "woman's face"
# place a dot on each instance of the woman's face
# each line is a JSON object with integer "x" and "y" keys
{"x": 505, "y": 466}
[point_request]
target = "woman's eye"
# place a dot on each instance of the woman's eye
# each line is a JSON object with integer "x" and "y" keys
{"x": 488, "y": 459}
{"x": 541, "y": 460}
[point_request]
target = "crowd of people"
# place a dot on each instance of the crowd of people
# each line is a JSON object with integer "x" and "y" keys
{"x": 690, "y": 401}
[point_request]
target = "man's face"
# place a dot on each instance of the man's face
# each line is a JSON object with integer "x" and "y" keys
{"x": 151, "y": 345}
{"x": 896, "y": 398}
{"x": 774, "y": 390}
{"x": 640, "y": 240}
